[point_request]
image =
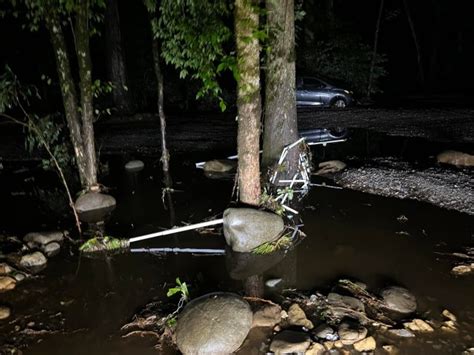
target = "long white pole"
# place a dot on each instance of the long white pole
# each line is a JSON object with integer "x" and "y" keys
{"x": 176, "y": 230}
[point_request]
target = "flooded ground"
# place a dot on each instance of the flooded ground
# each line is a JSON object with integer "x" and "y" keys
{"x": 82, "y": 303}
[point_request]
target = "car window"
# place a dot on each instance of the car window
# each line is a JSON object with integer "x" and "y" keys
{"x": 313, "y": 83}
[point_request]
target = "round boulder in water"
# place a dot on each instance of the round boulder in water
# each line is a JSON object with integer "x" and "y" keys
{"x": 217, "y": 323}
{"x": 134, "y": 166}
{"x": 94, "y": 206}
{"x": 399, "y": 300}
{"x": 33, "y": 262}
{"x": 247, "y": 228}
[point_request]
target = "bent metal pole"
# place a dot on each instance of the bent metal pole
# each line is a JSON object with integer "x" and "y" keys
{"x": 176, "y": 230}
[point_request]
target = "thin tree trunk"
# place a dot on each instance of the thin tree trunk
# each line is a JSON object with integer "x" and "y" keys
{"x": 281, "y": 127}
{"x": 254, "y": 286}
{"x": 85, "y": 85}
{"x": 248, "y": 100}
{"x": 417, "y": 45}
{"x": 165, "y": 157}
{"x": 68, "y": 92}
{"x": 374, "y": 53}
{"x": 116, "y": 69}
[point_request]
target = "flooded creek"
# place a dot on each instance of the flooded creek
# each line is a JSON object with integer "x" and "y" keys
{"x": 84, "y": 302}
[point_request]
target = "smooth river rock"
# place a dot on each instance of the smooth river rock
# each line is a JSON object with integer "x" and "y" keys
{"x": 37, "y": 239}
{"x": 51, "y": 249}
{"x": 33, "y": 262}
{"x": 247, "y": 228}
{"x": 94, "y": 206}
{"x": 297, "y": 317}
{"x": 134, "y": 166}
{"x": 289, "y": 342}
{"x": 217, "y": 323}
{"x": 351, "y": 333}
{"x": 399, "y": 300}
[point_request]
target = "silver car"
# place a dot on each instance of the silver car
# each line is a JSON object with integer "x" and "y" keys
{"x": 311, "y": 91}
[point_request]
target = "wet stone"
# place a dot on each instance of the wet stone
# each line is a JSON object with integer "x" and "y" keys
{"x": 324, "y": 331}
{"x": 219, "y": 166}
{"x": 351, "y": 333}
{"x": 38, "y": 239}
{"x": 401, "y": 333}
{"x": 51, "y": 249}
{"x": 4, "y": 312}
{"x": 92, "y": 207}
{"x": 461, "y": 270}
{"x": 134, "y": 166}
{"x": 353, "y": 303}
{"x": 399, "y": 300}
{"x": 7, "y": 283}
{"x": 247, "y": 228}
{"x": 316, "y": 349}
{"x": 33, "y": 262}
{"x": 5, "y": 269}
{"x": 449, "y": 315}
{"x": 297, "y": 317}
{"x": 367, "y": 344}
{"x": 289, "y": 341}
{"x": 267, "y": 316}
{"x": 216, "y": 323}
{"x": 418, "y": 325}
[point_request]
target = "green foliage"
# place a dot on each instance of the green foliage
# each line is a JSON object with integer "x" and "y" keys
{"x": 180, "y": 288}
{"x": 193, "y": 35}
{"x": 346, "y": 58}
{"x": 270, "y": 247}
{"x": 106, "y": 243}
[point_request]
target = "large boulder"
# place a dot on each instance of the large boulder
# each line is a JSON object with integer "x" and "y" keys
{"x": 399, "y": 300}
{"x": 217, "y": 323}
{"x": 247, "y": 228}
{"x": 94, "y": 206}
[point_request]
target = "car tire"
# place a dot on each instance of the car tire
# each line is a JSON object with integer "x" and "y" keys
{"x": 338, "y": 102}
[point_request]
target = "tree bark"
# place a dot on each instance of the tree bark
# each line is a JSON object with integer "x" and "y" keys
{"x": 281, "y": 126}
{"x": 421, "y": 74}
{"x": 374, "y": 53}
{"x": 254, "y": 286}
{"x": 85, "y": 85}
{"x": 248, "y": 100}
{"x": 68, "y": 92}
{"x": 116, "y": 69}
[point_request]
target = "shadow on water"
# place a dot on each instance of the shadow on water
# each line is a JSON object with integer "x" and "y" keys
{"x": 349, "y": 234}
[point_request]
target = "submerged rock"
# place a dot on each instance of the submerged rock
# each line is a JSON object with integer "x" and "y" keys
{"x": 4, "y": 312}
{"x": 289, "y": 341}
{"x": 247, "y": 228}
{"x": 94, "y": 206}
{"x": 453, "y": 157}
{"x": 399, "y": 300}
{"x": 134, "y": 166}
{"x": 37, "y": 239}
{"x": 51, "y": 249}
{"x": 351, "y": 333}
{"x": 461, "y": 270}
{"x": 401, "y": 333}
{"x": 33, "y": 262}
{"x": 7, "y": 283}
{"x": 219, "y": 166}
{"x": 297, "y": 317}
{"x": 418, "y": 325}
{"x": 216, "y": 323}
{"x": 331, "y": 166}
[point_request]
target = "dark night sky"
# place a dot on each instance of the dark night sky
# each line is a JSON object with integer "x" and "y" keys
{"x": 445, "y": 30}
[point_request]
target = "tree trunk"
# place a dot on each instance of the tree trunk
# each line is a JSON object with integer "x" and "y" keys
{"x": 68, "y": 92}
{"x": 165, "y": 157}
{"x": 374, "y": 53}
{"x": 116, "y": 69}
{"x": 85, "y": 85}
{"x": 281, "y": 126}
{"x": 254, "y": 286}
{"x": 417, "y": 45}
{"x": 248, "y": 100}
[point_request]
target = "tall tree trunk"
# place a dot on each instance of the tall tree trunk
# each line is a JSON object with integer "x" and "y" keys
{"x": 281, "y": 126}
{"x": 248, "y": 100}
{"x": 85, "y": 85}
{"x": 165, "y": 157}
{"x": 68, "y": 92}
{"x": 374, "y": 53}
{"x": 421, "y": 74}
{"x": 116, "y": 69}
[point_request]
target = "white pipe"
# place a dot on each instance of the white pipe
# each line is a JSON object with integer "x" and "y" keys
{"x": 179, "y": 250}
{"x": 177, "y": 230}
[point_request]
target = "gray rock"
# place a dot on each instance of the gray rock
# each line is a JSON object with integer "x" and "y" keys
{"x": 267, "y": 316}
{"x": 246, "y": 228}
{"x": 33, "y": 262}
{"x": 399, "y": 300}
{"x": 134, "y": 166}
{"x": 351, "y": 333}
{"x": 7, "y": 283}
{"x": 289, "y": 341}
{"x": 325, "y": 332}
{"x": 4, "y": 312}
{"x": 94, "y": 206}
{"x": 219, "y": 166}
{"x": 335, "y": 299}
{"x": 35, "y": 239}
{"x": 51, "y": 249}
{"x": 401, "y": 333}
{"x": 19, "y": 276}
{"x": 216, "y": 323}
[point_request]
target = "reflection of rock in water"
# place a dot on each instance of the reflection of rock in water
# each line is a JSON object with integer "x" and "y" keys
{"x": 243, "y": 265}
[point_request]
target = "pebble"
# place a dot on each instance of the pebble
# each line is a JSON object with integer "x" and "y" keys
{"x": 391, "y": 349}
{"x": 7, "y": 283}
{"x": 449, "y": 315}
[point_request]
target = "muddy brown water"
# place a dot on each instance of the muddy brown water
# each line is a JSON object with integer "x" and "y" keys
{"x": 349, "y": 234}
